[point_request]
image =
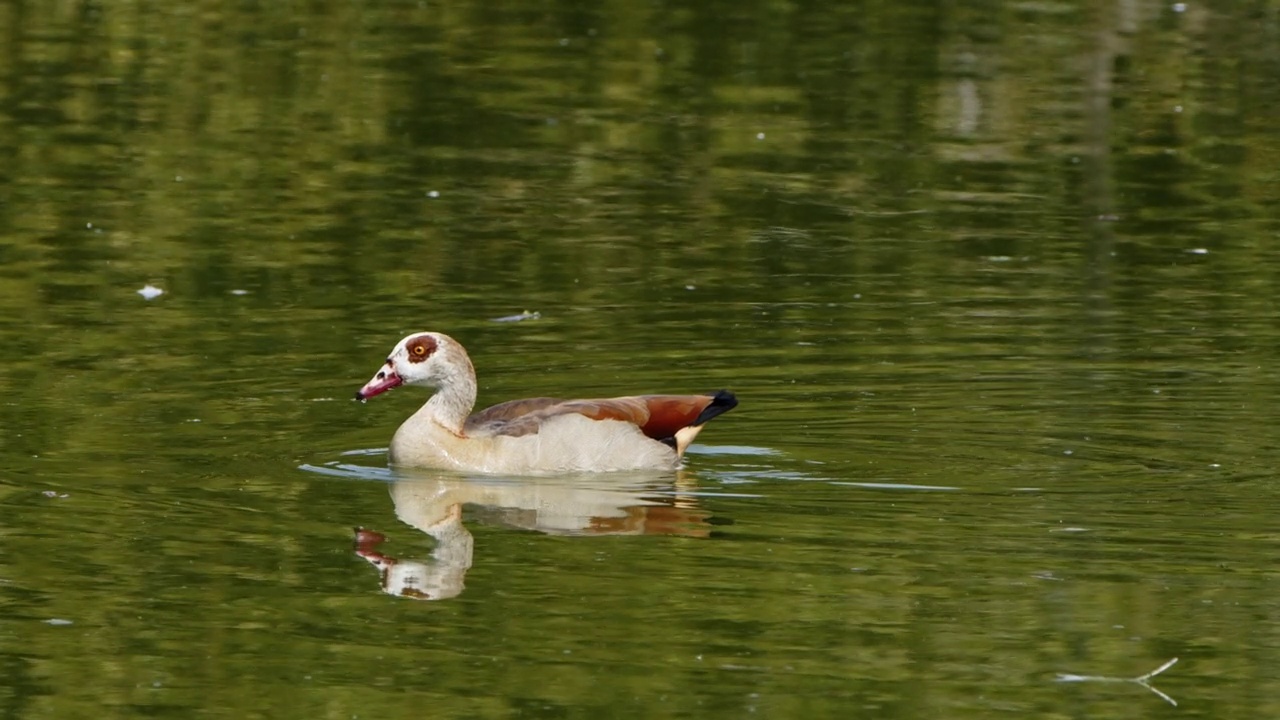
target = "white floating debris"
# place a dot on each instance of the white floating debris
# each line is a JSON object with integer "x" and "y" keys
{"x": 759, "y": 136}
{"x": 1143, "y": 680}
{"x": 1199, "y": 251}
{"x": 1179, "y": 7}
{"x": 150, "y": 292}
{"x": 57, "y": 621}
{"x": 526, "y": 315}
{"x": 238, "y": 291}
{"x": 54, "y": 494}
{"x": 690, "y": 287}
{"x": 433, "y": 193}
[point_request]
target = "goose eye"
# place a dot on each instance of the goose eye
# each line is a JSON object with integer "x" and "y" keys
{"x": 420, "y": 348}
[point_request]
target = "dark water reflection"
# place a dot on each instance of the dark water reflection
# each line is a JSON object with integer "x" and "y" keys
{"x": 995, "y": 284}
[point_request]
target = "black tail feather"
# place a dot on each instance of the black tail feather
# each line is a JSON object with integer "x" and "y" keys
{"x": 722, "y": 401}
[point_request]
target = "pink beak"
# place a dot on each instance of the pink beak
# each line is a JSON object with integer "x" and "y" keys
{"x": 382, "y": 382}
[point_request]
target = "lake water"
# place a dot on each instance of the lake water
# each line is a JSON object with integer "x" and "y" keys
{"x": 995, "y": 285}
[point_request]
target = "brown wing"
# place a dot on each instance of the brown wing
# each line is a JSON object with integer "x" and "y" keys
{"x": 669, "y": 414}
{"x": 504, "y": 413}
{"x": 657, "y": 416}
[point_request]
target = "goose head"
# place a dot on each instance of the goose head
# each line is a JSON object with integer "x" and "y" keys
{"x": 431, "y": 359}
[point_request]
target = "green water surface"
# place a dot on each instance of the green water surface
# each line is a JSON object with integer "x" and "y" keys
{"x": 995, "y": 285}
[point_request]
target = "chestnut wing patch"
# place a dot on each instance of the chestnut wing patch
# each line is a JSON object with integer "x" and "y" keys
{"x": 658, "y": 416}
{"x": 669, "y": 414}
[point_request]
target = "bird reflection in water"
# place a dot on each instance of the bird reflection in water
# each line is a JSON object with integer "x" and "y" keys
{"x": 647, "y": 504}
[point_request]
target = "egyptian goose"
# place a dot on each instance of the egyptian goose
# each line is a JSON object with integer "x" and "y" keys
{"x": 533, "y": 436}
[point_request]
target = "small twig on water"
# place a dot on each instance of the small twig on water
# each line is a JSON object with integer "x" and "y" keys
{"x": 1143, "y": 680}
{"x": 1157, "y": 671}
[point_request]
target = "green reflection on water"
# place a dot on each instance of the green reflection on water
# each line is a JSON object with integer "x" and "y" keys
{"x": 1021, "y": 251}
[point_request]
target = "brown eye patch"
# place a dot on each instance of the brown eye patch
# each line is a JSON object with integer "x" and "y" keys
{"x": 420, "y": 348}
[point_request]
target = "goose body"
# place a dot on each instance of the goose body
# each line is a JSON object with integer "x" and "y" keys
{"x": 535, "y": 435}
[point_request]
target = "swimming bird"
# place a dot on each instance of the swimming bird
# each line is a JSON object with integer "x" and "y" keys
{"x": 536, "y": 435}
